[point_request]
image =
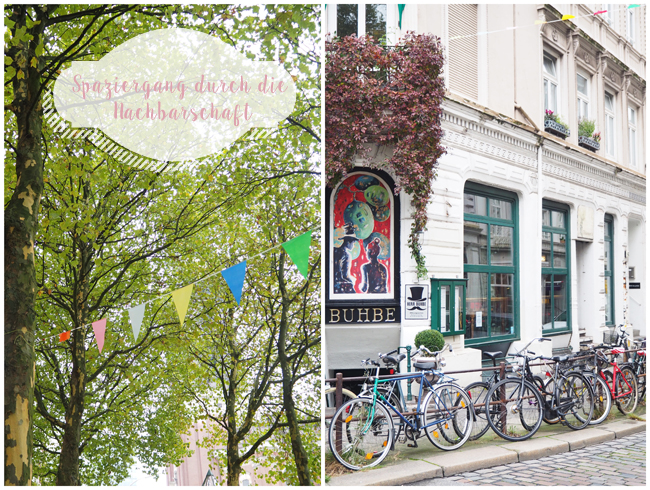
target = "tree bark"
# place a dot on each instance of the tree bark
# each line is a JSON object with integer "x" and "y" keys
{"x": 299, "y": 454}
{"x": 21, "y": 222}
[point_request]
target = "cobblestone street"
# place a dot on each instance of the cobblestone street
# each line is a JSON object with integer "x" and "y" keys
{"x": 618, "y": 462}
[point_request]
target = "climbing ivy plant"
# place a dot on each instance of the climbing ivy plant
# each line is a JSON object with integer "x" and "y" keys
{"x": 388, "y": 96}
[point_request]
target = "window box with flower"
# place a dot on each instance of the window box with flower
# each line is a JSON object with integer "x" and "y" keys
{"x": 554, "y": 125}
{"x": 587, "y": 137}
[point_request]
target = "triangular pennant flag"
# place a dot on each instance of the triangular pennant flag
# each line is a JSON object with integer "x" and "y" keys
{"x": 298, "y": 250}
{"x": 99, "y": 327}
{"x": 181, "y": 299}
{"x": 633, "y": 6}
{"x": 400, "y": 9}
{"x": 64, "y": 336}
{"x": 234, "y": 277}
{"x": 567, "y": 17}
{"x": 600, "y": 12}
{"x": 136, "y": 314}
{"x": 540, "y": 22}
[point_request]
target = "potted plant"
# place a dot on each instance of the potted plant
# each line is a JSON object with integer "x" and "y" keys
{"x": 587, "y": 137}
{"x": 432, "y": 340}
{"x": 554, "y": 124}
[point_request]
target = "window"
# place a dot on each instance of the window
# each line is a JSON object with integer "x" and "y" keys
{"x": 361, "y": 20}
{"x": 463, "y": 51}
{"x": 631, "y": 18}
{"x": 556, "y": 280}
{"x": 609, "y": 264}
{"x": 610, "y": 14}
{"x": 490, "y": 251}
{"x": 550, "y": 83}
{"x": 631, "y": 118}
{"x": 583, "y": 97}
{"x": 610, "y": 132}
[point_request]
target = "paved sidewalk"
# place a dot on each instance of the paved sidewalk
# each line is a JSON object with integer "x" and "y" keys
{"x": 426, "y": 463}
{"x": 614, "y": 463}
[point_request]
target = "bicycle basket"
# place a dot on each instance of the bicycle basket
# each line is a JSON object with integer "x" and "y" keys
{"x": 610, "y": 337}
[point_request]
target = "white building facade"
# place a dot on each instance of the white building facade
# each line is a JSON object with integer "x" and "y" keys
{"x": 547, "y": 229}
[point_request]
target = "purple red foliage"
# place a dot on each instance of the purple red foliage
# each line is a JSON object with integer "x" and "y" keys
{"x": 387, "y": 96}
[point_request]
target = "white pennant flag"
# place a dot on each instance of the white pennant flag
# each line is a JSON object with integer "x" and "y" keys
{"x": 136, "y": 314}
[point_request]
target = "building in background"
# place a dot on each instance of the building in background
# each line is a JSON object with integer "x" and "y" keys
{"x": 546, "y": 224}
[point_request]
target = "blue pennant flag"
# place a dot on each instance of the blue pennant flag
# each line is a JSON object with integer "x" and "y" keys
{"x": 234, "y": 277}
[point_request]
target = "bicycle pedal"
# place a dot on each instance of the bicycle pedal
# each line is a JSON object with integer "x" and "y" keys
{"x": 415, "y": 444}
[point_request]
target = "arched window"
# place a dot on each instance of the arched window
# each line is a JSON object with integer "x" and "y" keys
{"x": 362, "y": 252}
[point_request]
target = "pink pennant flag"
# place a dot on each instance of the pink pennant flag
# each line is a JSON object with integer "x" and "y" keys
{"x": 600, "y": 12}
{"x": 99, "y": 327}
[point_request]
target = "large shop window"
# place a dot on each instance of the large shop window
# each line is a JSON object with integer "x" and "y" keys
{"x": 491, "y": 265}
{"x": 609, "y": 270}
{"x": 556, "y": 280}
{"x": 363, "y": 253}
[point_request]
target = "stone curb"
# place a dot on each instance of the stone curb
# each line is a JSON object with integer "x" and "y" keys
{"x": 448, "y": 464}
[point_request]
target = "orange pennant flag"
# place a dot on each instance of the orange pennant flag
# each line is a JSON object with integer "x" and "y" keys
{"x": 64, "y": 336}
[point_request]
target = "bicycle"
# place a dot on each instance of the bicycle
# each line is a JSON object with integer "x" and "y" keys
{"x": 445, "y": 416}
{"x": 621, "y": 382}
{"x": 521, "y": 409}
{"x": 602, "y": 396}
{"x": 638, "y": 366}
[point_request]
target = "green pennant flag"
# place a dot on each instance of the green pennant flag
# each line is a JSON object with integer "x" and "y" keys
{"x": 298, "y": 251}
{"x": 400, "y": 7}
{"x": 181, "y": 299}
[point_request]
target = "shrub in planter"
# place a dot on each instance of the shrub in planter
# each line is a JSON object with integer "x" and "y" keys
{"x": 586, "y": 128}
{"x": 431, "y": 339}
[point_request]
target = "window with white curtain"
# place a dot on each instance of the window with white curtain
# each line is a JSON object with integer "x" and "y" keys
{"x": 631, "y": 119}
{"x": 631, "y": 19}
{"x": 551, "y": 92}
{"x": 610, "y": 118}
{"x": 583, "y": 97}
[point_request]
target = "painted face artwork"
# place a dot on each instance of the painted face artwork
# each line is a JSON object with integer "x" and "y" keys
{"x": 361, "y": 237}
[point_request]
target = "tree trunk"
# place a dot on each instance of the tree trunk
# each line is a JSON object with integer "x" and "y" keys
{"x": 299, "y": 454}
{"x": 234, "y": 463}
{"x": 21, "y": 222}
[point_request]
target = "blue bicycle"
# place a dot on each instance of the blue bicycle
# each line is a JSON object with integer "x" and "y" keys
{"x": 362, "y": 430}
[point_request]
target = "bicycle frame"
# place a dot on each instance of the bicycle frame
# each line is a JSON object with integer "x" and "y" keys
{"x": 422, "y": 376}
{"x": 616, "y": 371}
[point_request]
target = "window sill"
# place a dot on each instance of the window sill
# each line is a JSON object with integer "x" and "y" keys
{"x": 553, "y": 333}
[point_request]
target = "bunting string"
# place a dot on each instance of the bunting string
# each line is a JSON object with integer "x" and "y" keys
{"x": 297, "y": 249}
{"x": 542, "y": 22}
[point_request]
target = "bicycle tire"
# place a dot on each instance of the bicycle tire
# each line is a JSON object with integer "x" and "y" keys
{"x": 331, "y": 409}
{"x": 453, "y": 407}
{"x": 626, "y": 404}
{"x": 369, "y": 430}
{"x": 576, "y": 401}
{"x": 478, "y": 395}
{"x": 602, "y": 398}
{"x": 519, "y": 403}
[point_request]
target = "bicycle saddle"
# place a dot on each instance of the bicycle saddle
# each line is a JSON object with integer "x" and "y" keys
{"x": 425, "y": 365}
{"x": 560, "y": 358}
{"x": 394, "y": 359}
{"x": 493, "y": 355}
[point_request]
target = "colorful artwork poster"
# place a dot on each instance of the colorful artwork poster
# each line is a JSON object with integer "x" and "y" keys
{"x": 361, "y": 238}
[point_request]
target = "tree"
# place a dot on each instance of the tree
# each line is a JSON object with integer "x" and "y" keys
{"x": 42, "y": 40}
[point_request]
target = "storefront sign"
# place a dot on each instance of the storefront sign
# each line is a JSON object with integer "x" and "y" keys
{"x": 635, "y": 285}
{"x": 416, "y": 302}
{"x": 363, "y": 314}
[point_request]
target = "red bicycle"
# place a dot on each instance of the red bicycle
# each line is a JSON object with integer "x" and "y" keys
{"x": 621, "y": 381}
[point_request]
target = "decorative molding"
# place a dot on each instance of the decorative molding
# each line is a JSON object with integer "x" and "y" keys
{"x": 554, "y": 35}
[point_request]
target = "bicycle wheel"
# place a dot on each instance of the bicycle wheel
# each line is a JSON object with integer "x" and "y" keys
{"x": 366, "y": 432}
{"x": 478, "y": 395}
{"x": 519, "y": 409}
{"x": 602, "y": 398}
{"x": 626, "y": 403}
{"x": 330, "y": 405}
{"x": 450, "y": 406}
{"x": 546, "y": 390}
{"x": 576, "y": 401}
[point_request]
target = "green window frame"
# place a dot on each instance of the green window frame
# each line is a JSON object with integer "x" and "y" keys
{"x": 491, "y": 264}
{"x": 609, "y": 270}
{"x": 556, "y": 269}
{"x": 448, "y": 306}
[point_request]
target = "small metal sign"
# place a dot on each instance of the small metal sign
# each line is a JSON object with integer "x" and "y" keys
{"x": 416, "y": 301}
{"x": 635, "y": 285}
